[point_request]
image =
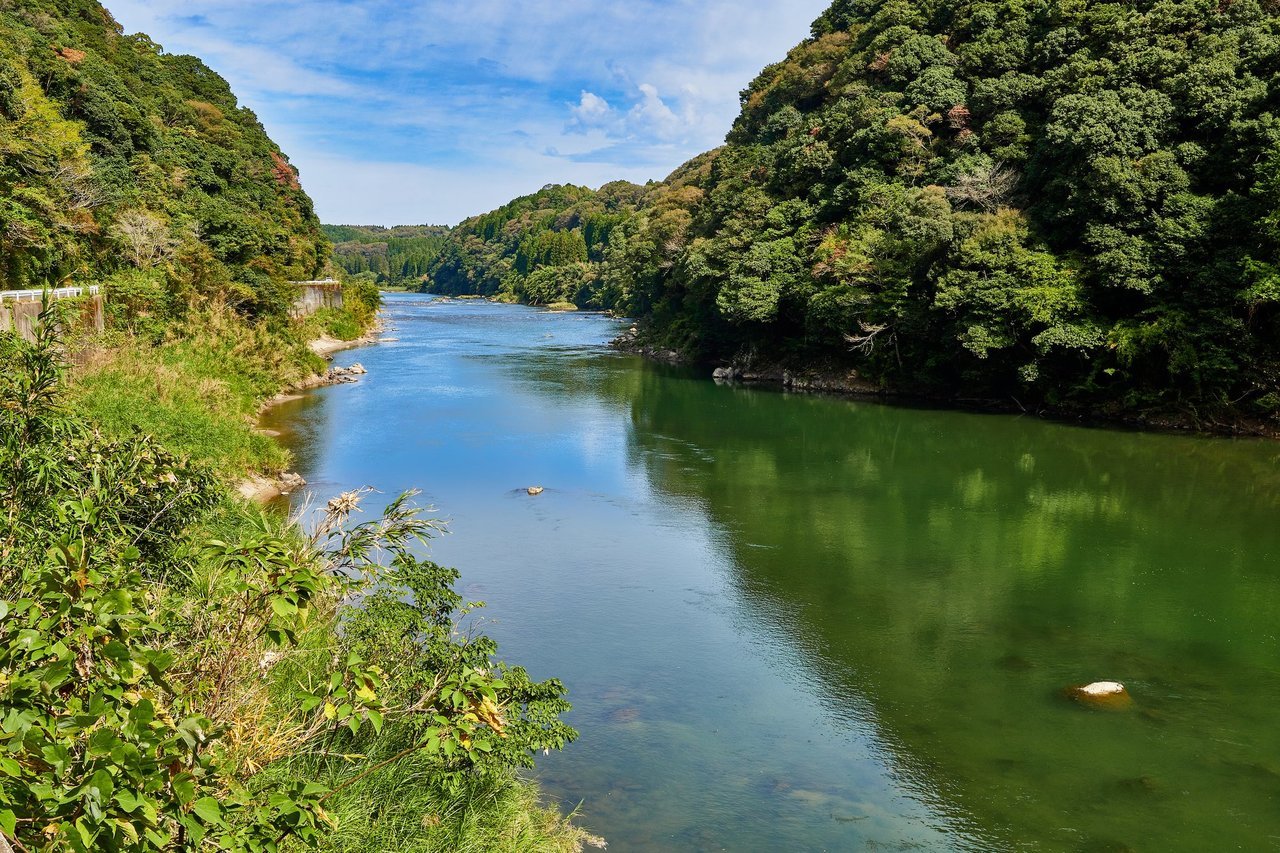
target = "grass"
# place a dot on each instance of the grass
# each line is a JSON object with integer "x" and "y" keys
{"x": 199, "y": 390}
{"x": 400, "y": 808}
{"x": 336, "y": 323}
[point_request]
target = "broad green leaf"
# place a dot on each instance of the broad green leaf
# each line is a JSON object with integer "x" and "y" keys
{"x": 208, "y": 810}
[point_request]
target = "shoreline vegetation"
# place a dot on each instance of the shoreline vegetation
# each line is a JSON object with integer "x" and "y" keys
{"x": 845, "y": 381}
{"x": 230, "y": 644}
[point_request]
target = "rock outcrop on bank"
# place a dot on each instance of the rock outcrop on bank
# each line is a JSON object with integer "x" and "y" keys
{"x": 263, "y": 488}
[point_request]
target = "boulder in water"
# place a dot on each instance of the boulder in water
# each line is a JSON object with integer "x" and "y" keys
{"x": 535, "y": 490}
{"x": 1109, "y": 695}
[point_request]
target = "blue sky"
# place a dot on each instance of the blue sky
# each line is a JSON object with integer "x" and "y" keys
{"x": 421, "y": 111}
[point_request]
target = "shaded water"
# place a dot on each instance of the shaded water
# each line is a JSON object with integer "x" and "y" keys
{"x": 802, "y": 623}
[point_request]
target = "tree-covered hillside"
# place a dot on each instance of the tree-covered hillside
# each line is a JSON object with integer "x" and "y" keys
{"x": 396, "y": 256}
{"x": 1066, "y": 202}
{"x": 124, "y": 164}
{"x": 542, "y": 248}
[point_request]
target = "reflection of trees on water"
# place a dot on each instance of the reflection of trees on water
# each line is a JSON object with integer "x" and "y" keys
{"x": 304, "y": 427}
{"x": 957, "y": 569}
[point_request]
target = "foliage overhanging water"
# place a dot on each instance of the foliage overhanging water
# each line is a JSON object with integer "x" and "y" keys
{"x": 803, "y": 623}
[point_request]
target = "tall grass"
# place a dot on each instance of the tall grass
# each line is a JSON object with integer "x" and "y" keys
{"x": 401, "y": 808}
{"x": 198, "y": 390}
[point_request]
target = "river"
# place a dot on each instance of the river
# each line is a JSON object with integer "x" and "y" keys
{"x": 795, "y": 622}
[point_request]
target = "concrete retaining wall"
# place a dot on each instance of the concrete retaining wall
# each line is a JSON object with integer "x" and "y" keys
{"x": 87, "y": 315}
{"x": 315, "y": 295}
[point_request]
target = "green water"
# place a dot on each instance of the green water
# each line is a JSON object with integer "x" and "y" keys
{"x": 802, "y": 623}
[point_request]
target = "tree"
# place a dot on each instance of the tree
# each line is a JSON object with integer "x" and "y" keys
{"x": 146, "y": 237}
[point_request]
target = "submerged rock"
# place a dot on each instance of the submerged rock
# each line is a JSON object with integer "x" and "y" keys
{"x": 1110, "y": 695}
{"x": 1015, "y": 663}
{"x": 1141, "y": 785}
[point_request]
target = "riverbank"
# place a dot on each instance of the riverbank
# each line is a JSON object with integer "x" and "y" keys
{"x": 844, "y": 381}
{"x": 263, "y": 487}
{"x": 180, "y": 413}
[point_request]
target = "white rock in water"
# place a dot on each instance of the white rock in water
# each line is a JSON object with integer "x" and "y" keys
{"x": 1111, "y": 695}
{"x": 535, "y": 490}
{"x": 1103, "y": 688}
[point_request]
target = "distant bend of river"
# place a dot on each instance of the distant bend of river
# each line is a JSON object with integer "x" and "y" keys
{"x": 806, "y": 623}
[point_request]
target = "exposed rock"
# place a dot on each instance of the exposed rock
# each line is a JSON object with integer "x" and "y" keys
{"x": 1110, "y": 695}
{"x": 535, "y": 490}
{"x": 258, "y": 489}
{"x": 290, "y": 482}
{"x": 724, "y": 374}
{"x": 340, "y": 375}
{"x": 356, "y": 369}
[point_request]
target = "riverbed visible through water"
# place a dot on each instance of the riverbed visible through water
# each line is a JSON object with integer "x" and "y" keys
{"x": 795, "y": 622}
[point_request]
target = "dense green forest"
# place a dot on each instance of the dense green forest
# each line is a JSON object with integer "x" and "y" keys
{"x": 126, "y": 165}
{"x": 1068, "y": 204}
{"x": 393, "y": 256}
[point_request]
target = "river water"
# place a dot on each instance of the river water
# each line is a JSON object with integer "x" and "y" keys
{"x": 793, "y": 622}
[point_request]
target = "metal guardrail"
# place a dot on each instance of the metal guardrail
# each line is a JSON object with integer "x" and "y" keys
{"x": 54, "y": 293}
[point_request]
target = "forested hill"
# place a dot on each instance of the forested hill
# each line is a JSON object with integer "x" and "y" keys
{"x": 542, "y": 248}
{"x": 395, "y": 256}
{"x": 124, "y": 164}
{"x": 1074, "y": 204}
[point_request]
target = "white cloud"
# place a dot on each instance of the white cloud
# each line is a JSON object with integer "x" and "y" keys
{"x": 653, "y": 115}
{"x": 361, "y": 192}
{"x": 650, "y": 117}
{"x": 592, "y": 112}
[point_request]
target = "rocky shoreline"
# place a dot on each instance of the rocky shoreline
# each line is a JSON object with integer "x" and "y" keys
{"x": 261, "y": 488}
